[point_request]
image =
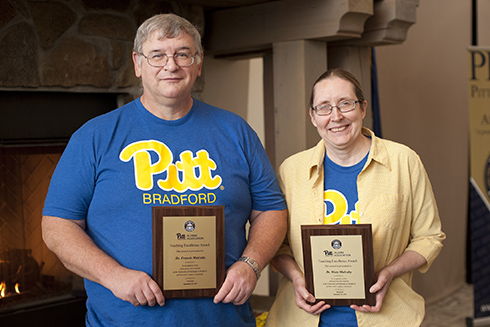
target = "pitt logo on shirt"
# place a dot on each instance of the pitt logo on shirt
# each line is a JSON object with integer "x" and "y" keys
{"x": 145, "y": 169}
{"x": 339, "y": 213}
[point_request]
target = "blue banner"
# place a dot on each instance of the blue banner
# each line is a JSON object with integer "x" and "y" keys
{"x": 479, "y": 206}
{"x": 374, "y": 96}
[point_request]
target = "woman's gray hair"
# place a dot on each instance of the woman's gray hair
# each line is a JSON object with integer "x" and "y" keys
{"x": 168, "y": 26}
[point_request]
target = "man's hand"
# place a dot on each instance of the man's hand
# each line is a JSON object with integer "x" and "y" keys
{"x": 239, "y": 284}
{"x": 136, "y": 287}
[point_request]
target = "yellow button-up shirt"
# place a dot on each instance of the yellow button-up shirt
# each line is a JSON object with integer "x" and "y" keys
{"x": 395, "y": 197}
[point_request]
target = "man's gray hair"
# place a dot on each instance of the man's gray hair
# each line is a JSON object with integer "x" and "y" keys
{"x": 168, "y": 26}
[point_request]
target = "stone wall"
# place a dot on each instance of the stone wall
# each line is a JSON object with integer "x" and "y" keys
{"x": 76, "y": 45}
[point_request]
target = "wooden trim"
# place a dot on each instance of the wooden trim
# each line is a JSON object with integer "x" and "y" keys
{"x": 257, "y": 27}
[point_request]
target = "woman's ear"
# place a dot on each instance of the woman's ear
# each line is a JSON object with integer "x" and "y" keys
{"x": 312, "y": 116}
{"x": 364, "y": 108}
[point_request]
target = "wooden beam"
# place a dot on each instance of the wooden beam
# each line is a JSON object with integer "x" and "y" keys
{"x": 389, "y": 24}
{"x": 357, "y": 60}
{"x": 296, "y": 66}
{"x": 257, "y": 27}
{"x": 269, "y": 125}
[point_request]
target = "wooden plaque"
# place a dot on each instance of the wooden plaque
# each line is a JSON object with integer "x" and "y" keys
{"x": 338, "y": 262}
{"x": 189, "y": 250}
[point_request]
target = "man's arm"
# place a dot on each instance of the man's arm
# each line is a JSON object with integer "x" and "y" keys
{"x": 77, "y": 251}
{"x": 267, "y": 231}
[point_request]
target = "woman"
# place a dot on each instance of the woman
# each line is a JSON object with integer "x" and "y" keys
{"x": 351, "y": 176}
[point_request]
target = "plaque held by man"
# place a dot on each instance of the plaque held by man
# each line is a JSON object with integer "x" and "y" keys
{"x": 338, "y": 263}
{"x": 188, "y": 250}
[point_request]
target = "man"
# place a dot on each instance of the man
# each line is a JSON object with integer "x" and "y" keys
{"x": 164, "y": 148}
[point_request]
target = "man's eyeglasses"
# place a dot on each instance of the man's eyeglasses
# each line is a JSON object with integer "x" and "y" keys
{"x": 160, "y": 59}
{"x": 344, "y": 106}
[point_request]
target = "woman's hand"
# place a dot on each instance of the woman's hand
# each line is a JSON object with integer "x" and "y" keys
{"x": 305, "y": 300}
{"x": 408, "y": 261}
{"x": 383, "y": 281}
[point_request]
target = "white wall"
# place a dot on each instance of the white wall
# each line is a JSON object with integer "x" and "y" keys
{"x": 423, "y": 90}
{"x": 237, "y": 86}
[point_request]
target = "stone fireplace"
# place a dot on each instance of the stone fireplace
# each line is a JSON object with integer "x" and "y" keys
{"x": 63, "y": 62}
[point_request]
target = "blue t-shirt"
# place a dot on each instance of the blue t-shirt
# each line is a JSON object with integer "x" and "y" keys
{"x": 117, "y": 166}
{"x": 341, "y": 207}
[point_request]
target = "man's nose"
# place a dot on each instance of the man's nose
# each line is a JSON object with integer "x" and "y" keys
{"x": 171, "y": 64}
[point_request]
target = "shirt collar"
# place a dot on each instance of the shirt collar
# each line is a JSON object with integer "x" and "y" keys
{"x": 378, "y": 153}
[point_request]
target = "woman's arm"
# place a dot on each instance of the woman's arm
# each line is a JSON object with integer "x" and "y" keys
{"x": 408, "y": 261}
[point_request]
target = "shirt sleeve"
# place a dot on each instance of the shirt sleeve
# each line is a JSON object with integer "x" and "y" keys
{"x": 426, "y": 233}
{"x": 73, "y": 181}
{"x": 285, "y": 247}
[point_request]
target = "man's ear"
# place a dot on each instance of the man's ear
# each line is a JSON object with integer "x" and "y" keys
{"x": 199, "y": 64}
{"x": 137, "y": 65}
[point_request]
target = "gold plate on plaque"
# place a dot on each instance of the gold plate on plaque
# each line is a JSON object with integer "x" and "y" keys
{"x": 338, "y": 262}
{"x": 188, "y": 250}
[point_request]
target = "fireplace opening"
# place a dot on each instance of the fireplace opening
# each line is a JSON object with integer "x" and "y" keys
{"x": 19, "y": 274}
{"x": 34, "y": 130}
{"x": 47, "y": 118}
{"x": 30, "y": 274}
{"x": 23, "y": 285}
